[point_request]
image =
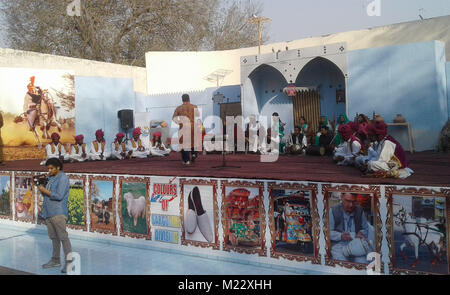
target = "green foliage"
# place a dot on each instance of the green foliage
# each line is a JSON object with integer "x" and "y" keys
{"x": 5, "y": 205}
{"x": 76, "y": 207}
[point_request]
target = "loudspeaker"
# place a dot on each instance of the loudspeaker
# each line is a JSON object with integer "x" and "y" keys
{"x": 126, "y": 119}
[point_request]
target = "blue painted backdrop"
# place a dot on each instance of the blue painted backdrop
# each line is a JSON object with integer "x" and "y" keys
{"x": 447, "y": 66}
{"x": 97, "y": 102}
{"x": 408, "y": 79}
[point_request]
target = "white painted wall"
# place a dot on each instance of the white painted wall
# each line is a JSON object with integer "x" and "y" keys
{"x": 81, "y": 67}
{"x": 184, "y": 71}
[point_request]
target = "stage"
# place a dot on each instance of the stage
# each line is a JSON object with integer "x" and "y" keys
{"x": 431, "y": 168}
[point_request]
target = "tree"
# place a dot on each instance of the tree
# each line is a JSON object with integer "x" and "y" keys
{"x": 121, "y": 31}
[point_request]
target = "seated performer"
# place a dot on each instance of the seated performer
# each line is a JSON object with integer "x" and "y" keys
{"x": 135, "y": 145}
{"x": 157, "y": 148}
{"x": 325, "y": 144}
{"x": 119, "y": 148}
{"x": 296, "y": 142}
{"x": 323, "y": 121}
{"x": 392, "y": 161}
{"x": 99, "y": 151}
{"x": 370, "y": 150}
{"x": 55, "y": 149}
{"x": 341, "y": 121}
{"x": 346, "y": 153}
{"x": 303, "y": 126}
{"x": 251, "y": 135}
{"x": 79, "y": 150}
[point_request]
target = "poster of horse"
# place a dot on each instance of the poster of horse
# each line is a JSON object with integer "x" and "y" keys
{"x": 35, "y": 103}
{"x": 419, "y": 234}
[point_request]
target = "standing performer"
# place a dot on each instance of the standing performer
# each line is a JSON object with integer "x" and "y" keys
{"x": 55, "y": 149}
{"x": 119, "y": 149}
{"x": 79, "y": 150}
{"x": 99, "y": 150}
{"x": 136, "y": 147}
{"x": 189, "y": 111}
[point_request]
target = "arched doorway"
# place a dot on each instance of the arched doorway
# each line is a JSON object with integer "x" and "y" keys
{"x": 268, "y": 84}
{"x": 328, "y": 83}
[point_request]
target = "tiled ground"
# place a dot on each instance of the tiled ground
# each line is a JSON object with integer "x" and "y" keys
{"x": 27, "y": 251}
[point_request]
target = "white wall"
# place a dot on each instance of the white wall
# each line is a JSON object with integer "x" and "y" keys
{"x": 81, "y": 67}
{"x": 185, "y": 71}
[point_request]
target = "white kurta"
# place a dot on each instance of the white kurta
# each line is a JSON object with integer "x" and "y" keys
{"x": 94, "y": 154}
{"x": 136, "y": 152}
{"x": 59, "y": 151}
{"x": 77, "y": 156}
{"x": 387, "y": 157}
{"x": 348, "y": 150}
{"x": 373, "y": 153}
{"x": 116, "y": 154}
{"x": 156, "y": 151}
{"x": 253, "y": 137}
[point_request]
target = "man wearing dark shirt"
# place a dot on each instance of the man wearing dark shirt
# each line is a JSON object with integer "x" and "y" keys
{"x": 325, "y": 145}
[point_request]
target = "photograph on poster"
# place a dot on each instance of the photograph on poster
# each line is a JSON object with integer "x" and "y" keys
{"x": 24, "y": 198}
{"x": 102, "y": 206}
{"x": 292, "y": 219}
{"x": 133, "y": 208}
{"x": 242, "y": 221}
{"x": 5, "y": 196}
{"x": 35, "y": 103}
{"x": 199, "y": 216}
{"x": 351, "y": 226}
{"x": 419, "y": 228}
{"x": 76, "y": 204}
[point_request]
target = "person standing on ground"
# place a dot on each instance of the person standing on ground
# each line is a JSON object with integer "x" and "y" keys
{"x": 55, "y": 211}
{"x": 190, "y": 112}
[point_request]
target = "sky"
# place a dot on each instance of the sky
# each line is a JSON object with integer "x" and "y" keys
{"x": 297, "y": 19}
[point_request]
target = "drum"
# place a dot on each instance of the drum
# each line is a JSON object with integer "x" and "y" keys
{"x": 358, "y": 247}
{"x": 315, "y": 151}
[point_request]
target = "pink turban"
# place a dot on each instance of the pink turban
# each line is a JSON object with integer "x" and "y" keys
{"x": 120, "y": 135}
{"x": 55, "y": 136}
{"x": 378, "y": 129}
{"x": 157, "y": 134}
{"x": 137, "y": 131}
{"x": 79, "y": 137}
{"x": 345, "y": 131}
{"x": 99, "y": 133}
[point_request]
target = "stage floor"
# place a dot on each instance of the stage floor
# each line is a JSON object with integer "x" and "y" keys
{"x": 431, "y": 169}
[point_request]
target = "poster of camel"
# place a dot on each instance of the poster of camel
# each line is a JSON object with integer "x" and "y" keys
{"x": 34, "y": 104}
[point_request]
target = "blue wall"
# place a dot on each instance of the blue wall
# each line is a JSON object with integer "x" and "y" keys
{"x": 97, "y": 102}
{"x": 268, "y": 84}
{"x": 447, "y": 67}
{"x": 322, "y": 72}
{"x": 407, "y": 79}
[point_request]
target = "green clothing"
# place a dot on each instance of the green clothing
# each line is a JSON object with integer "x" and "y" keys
{"x": 338, "y": 139}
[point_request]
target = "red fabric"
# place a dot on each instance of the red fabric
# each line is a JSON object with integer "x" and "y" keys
{"x": 99, "y": 133}
{"x": 431, "y": 169}
{"x": 378, "y": 129}
{"x": 157, "y": 134}
{"x": 345, "y": 131}
{"x": 79, "y": 138}
{"x": 137, "y": 131}
{"x": 120, "y": 135}
{"x": 55, "y": 136}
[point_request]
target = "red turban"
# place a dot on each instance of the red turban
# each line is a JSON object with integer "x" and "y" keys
{"x": 79, "y": 137}
{"x": 99, "y": 133}
{"x": 157, "y": 134}
{"x": 354, "y": 126}
{"x": 345, "y": 131}
{"x": 55, "y": 136}
{"x": 120, "y": 135}
{"x": 137, "y": 131}
{"x": 378, "y": 129}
